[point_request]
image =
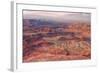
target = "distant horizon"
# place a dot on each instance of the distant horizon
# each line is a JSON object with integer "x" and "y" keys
{"x": 57, "y": 16}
